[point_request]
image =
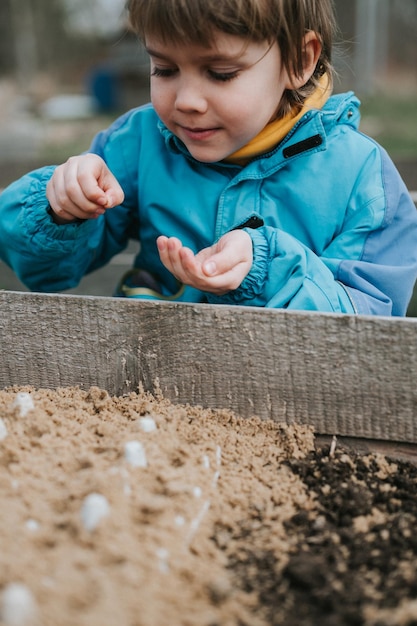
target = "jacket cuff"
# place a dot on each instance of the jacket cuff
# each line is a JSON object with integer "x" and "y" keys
{"x": 253, "y": 284}
{"x": 38, "y": 225}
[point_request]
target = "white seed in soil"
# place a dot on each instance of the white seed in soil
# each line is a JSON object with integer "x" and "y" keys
{"x": 195, "y": 523}
{"x": 23, "y": 402}
{"x": 197, "y": 492}
{"x": 135, "y": 454}
{"x": 147, "y": 424}
{"x": 32, "y": 525}
{"x": 3, "y": 430}
{"x": 163, "y": 556}
{"x": 95, "y": 508}
{"x": 18, "y": 606}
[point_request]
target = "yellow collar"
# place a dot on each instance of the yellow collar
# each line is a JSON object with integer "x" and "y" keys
{"x": 275, "y": 131}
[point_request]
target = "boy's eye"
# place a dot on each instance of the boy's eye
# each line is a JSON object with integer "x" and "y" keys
{"x": 223, "y": 76}
{"x": 167, "y": 72}
{"x": 162, "y": 72}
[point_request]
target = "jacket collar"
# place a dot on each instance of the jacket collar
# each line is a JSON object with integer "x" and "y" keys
{"x": 341, "y": 108}
{"x": 276, "y": 131}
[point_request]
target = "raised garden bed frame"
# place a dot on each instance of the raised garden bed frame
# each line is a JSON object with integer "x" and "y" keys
{"x": 353, "y": 377}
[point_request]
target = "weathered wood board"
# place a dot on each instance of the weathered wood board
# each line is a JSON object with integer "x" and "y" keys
{"x": 352, "y": 376}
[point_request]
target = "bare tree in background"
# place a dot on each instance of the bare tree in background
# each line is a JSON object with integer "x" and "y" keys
{"x": 34, "y": 37}
{"x": 25, "y": 41}
{"x": 28, "y": 35}
{"x": 403, "y": 32}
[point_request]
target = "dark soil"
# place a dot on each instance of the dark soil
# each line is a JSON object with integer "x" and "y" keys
{"x": 354, "y": 557}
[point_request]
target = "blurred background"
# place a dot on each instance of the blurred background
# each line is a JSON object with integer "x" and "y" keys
{"x": 69, "y": 67}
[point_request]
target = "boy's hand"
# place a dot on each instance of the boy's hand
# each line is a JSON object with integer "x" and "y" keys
{"x": 82, "y": 188}
{"x": 218, "y": 269}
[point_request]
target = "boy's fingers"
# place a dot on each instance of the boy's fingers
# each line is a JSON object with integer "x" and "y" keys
{"x": 231, "y": 251}
{"x": 96, "y": 182}
{"x": 219, "y": 263}
{"x": 113, "y": 193}
{"x": 210, "y": 267}
{"x": 83, "y": 188}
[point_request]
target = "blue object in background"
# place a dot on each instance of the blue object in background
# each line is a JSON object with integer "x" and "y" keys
{"x": 105, "y": 89}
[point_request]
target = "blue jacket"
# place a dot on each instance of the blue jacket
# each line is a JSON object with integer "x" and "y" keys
{"x": 332, "y": 224}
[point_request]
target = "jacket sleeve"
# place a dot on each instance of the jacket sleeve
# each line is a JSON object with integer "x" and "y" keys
{"x": 369, "y": 268}
{"x": 40, "y": 252}
{"x": 286, "y": 274}
{"x": 48, "y": 257}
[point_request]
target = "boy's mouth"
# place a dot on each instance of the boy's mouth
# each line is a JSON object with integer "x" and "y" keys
{"x": 199, "y": 134}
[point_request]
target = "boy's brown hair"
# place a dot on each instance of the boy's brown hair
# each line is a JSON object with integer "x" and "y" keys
{"x": 286, "y": 21}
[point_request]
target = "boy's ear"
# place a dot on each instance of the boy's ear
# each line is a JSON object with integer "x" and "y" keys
{"x": 311, "y": 54}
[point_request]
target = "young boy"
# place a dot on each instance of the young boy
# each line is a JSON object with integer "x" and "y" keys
{"x": 245, "y": 181}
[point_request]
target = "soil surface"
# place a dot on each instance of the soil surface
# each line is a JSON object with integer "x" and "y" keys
{"x": 198, "y": 518}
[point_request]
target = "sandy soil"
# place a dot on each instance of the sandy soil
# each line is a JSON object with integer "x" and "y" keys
{"x": 198, "y": 518}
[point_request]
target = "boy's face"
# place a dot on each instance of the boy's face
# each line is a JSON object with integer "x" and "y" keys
{"x": 216, "y": 99}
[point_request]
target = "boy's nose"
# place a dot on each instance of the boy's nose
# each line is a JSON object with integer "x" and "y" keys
{"x": 190, "y": 97}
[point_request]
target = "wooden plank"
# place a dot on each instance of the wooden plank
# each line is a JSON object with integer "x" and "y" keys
{"x": 396, "y": 450}
{"x": 345, "y": 375}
